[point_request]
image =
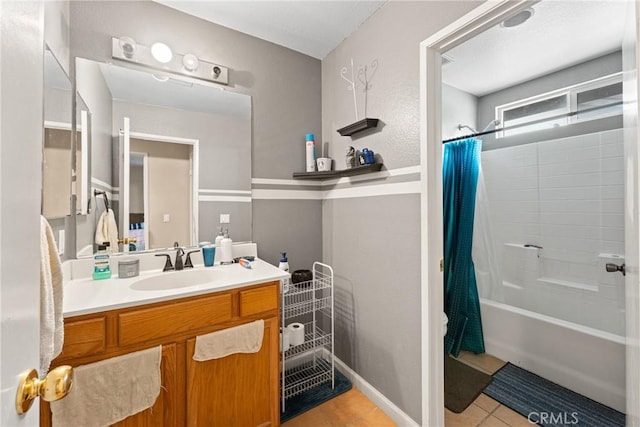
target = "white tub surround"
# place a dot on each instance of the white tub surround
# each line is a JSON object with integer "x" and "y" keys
{"x": 582, "y": 359}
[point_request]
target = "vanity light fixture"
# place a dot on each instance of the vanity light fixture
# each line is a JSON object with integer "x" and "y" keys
{"x": 159, "y": 57}
{"x": 190, "y": 62}
{"x": 161, "y": 52}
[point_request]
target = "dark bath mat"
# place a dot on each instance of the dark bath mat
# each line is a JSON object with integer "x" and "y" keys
{"x": 547, "y": 403}
{"x": 462, "y": 384}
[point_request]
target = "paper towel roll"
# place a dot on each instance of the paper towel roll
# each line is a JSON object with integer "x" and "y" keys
{"x": 296, "y": 333}
{"x": 284, "y": 340}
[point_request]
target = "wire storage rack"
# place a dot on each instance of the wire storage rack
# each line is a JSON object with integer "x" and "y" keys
{"x": 310, "y": 364}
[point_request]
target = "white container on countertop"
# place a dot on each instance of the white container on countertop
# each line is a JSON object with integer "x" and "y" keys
{"x": 219, "y": 238}
{"x": 226, "y": 250}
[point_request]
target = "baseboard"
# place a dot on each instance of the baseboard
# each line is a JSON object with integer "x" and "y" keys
{"x": 387, "y": 406}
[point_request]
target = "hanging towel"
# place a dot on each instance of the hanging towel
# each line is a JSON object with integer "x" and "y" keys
{"x": 51, "y": 321}
{"x": 239, "y": 339}
{"x": 111, "y": 390}
{"x": 107, "y": 230}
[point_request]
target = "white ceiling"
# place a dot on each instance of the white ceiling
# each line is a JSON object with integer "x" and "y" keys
{"x": 560, "y": 34}
{"x": 314, "y": 28}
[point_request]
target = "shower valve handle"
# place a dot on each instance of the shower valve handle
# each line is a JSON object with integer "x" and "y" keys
{"x": 612, "y": 268}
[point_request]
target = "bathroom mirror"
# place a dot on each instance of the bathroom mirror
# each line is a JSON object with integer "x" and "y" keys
{"x": 171, "y": 155}
{"x": 56, "y": 162}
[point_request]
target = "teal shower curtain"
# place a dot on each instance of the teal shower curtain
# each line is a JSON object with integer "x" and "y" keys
{"x": 460, "y": 168}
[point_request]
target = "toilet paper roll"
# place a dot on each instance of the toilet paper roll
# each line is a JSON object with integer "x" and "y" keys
{"x": 284, "y": 340}
{"x": 296, "y": 332}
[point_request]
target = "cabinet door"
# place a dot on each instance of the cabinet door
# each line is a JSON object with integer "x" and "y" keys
{"x": 240, "y": 390}
{"x": 163, "y": 412}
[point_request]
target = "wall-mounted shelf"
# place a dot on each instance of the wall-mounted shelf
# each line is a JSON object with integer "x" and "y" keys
{"x": 358, "y": 170}
{"x": 358, "y": 126}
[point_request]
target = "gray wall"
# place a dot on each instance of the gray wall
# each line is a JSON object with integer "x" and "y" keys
{"x": 285, "y": 87}
{"x": 458, "y": 107}
{"x": 373, "y": 242}
{"x": 224, "y": 141}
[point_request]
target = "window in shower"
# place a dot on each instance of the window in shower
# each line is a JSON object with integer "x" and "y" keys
{"x": 590, "y": 100}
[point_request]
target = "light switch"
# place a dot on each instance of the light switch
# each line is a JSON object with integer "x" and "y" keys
{"x": 61, "y": 238}
{"x": 225, "y": 218}
{"x": 166, "y": 218}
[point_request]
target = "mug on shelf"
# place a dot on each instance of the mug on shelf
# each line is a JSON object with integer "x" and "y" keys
{"x": 324, "y": 164}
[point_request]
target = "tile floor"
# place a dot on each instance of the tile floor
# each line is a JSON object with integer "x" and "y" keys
{"x": 484, "y": 411}
{"x": 354, "y": 409}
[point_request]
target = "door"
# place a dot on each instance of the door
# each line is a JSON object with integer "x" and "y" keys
{"x": 240, "y": 390}
{"x": 21, "y": 30}
{"x": 123, "y": 197}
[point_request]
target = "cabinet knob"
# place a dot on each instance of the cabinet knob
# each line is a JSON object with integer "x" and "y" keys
{"x": 54, "y": 386}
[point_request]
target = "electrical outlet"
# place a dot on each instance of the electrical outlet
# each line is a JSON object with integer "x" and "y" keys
{"x": 166, "y": 218}
{"x": 225, "y": 218}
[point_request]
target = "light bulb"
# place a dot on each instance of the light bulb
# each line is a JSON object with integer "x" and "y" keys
{"x": 190, "y": 62}
{"x": 160, "y": 77}
{"x": 128, "y": 46}
{"x": 161, "y": 52}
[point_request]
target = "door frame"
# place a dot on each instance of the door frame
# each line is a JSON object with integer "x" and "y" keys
{"x": 432, "y": 291}
{"x": 194, "y": 159}
{"x": 145, "y": 188}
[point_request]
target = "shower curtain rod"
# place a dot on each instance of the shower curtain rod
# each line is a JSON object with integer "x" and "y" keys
{"x": 533, "y": 122}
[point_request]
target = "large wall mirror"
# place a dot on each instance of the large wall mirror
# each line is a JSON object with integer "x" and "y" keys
{"x": 169, "y": 155}
{"x": 56, "y": 163}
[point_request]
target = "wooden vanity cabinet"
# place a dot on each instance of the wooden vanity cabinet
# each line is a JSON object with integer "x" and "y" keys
{"x": 240, "y": 390}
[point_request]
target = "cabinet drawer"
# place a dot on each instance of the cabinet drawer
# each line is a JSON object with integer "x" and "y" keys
{"x": 259, "y": 300}
{"x": 151, "y": 323}
{"x": 84, "y": 337}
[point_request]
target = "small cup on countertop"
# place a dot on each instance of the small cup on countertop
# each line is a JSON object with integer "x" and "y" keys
{"x": 324, "y": 164}
{"x": 209, "y": 255}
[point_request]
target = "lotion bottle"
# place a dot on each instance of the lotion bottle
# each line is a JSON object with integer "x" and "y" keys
{"x": 226, "y": 251}
{"x": 284, "y": 265}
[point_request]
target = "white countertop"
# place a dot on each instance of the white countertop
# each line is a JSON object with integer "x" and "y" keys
{"x": 85, "y": 295}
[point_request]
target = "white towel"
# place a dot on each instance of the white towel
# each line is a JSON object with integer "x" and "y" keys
{"x": 111, "y": 390}
{"x": 107, "y": 230}
{"x": 239, "y": 339}
{"x": 51, "y": 321}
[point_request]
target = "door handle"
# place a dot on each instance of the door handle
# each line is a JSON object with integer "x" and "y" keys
{"x": 54, "y": 386}
{"x": 612, "y": 268}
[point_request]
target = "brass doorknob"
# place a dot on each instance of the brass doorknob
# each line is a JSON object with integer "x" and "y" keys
{"x": 54, "y": 386}
{"x": 127, "y": 240}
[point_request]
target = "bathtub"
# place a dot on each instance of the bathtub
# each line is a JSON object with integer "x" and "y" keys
{"x": 583, "y": 359}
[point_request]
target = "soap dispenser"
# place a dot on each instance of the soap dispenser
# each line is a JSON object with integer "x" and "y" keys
{"x": 219, "y": 238}
{"x": 226, "y": 251}
{"x": 284, "y": 265}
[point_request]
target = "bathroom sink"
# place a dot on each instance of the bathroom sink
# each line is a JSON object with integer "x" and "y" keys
{"x": 174, "y": 280}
